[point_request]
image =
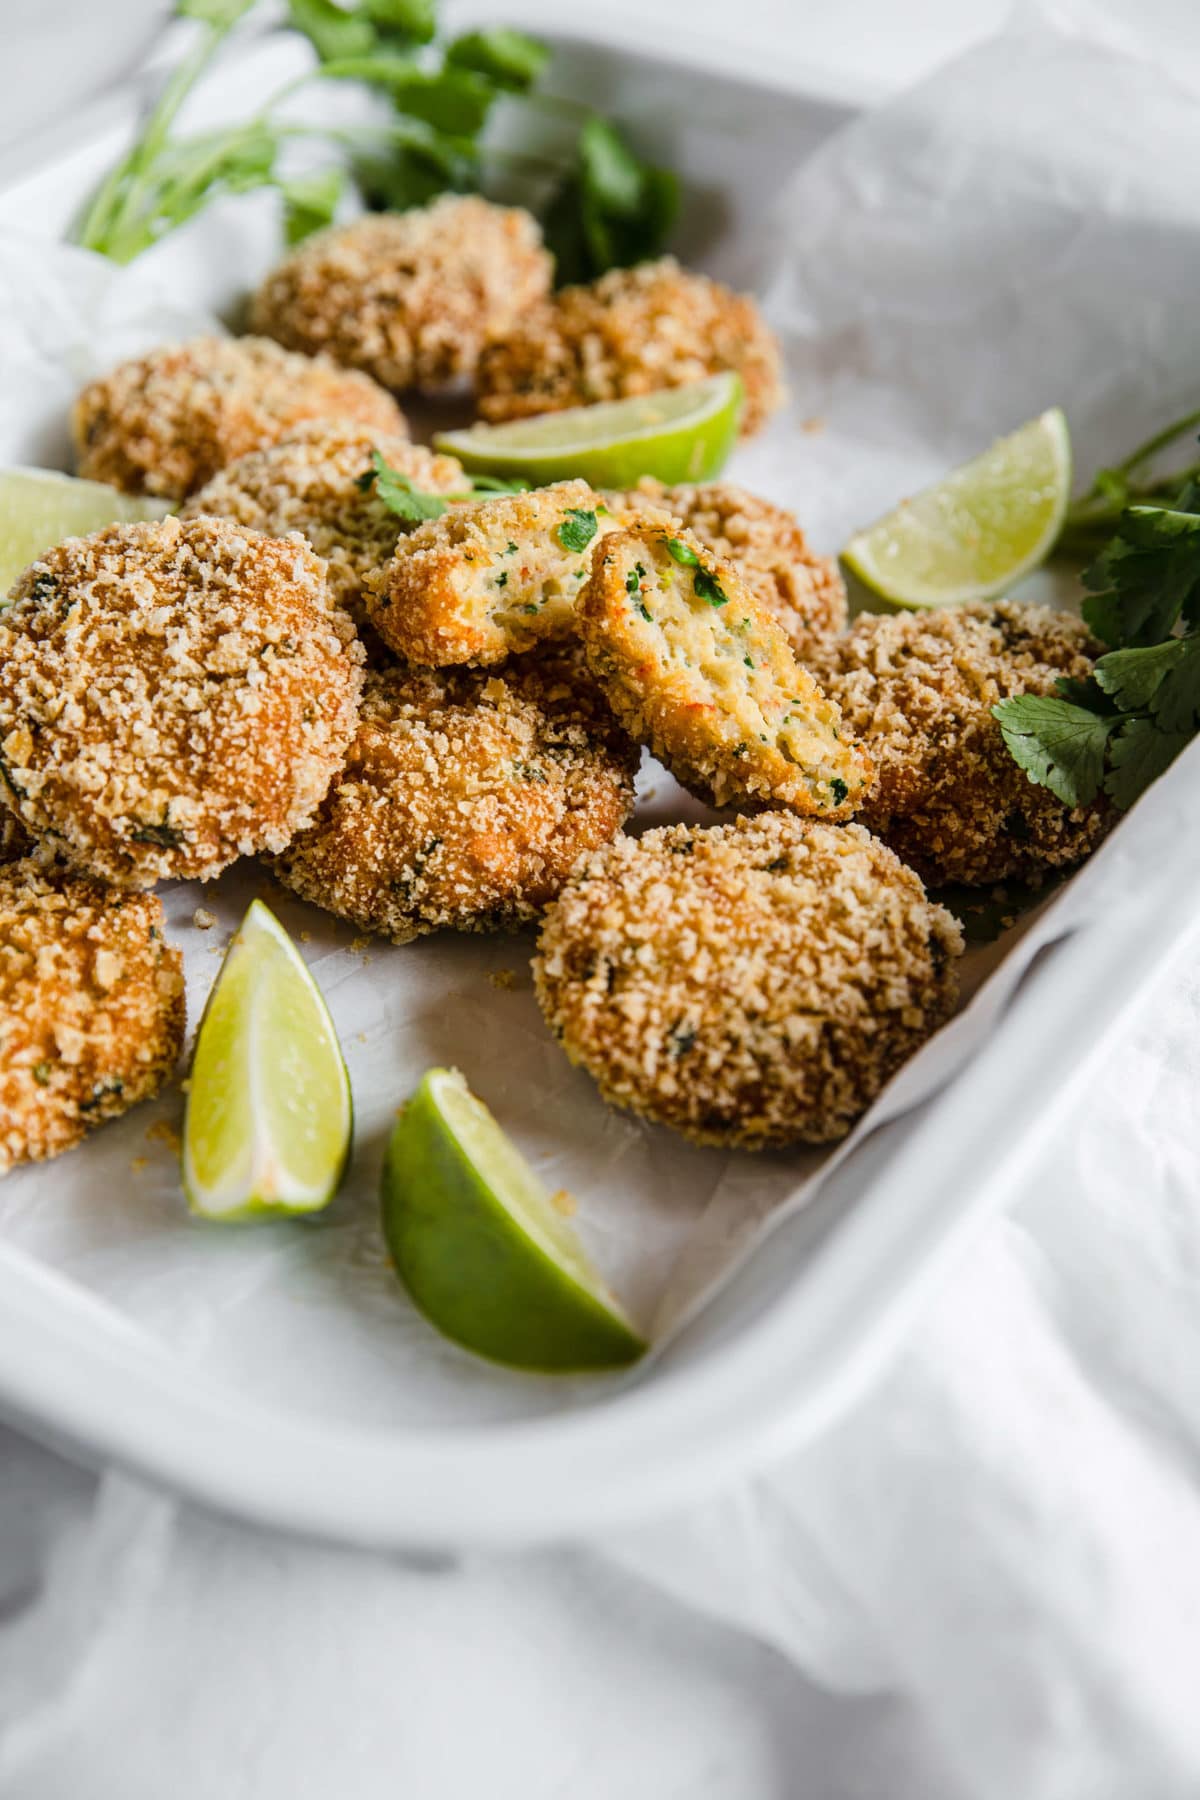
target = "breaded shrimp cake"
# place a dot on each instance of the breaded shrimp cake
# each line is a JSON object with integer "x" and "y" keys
{"x": 410, "y": 297}
{"x": 750, "y": 984}
{"x": 173, "y": 696}
{"x": 164, "y": 423}
{"x": 919, "y": 688}
{"x": 466, "y": 798}
{"x": 632, "y": 332}
{"x": 91, "y": 1008}
{"x": 802, "y": 591}
{"x": 318, "y": 482}
{"x": 695, "y": 668}
{"x": 485, "y": 581}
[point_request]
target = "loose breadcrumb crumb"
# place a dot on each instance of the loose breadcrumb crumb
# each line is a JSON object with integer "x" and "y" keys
{"x": 173, "y": 696}
{"x": 410, "y": 297}
{"x": 317, "y": 482}
{"x": 918, "y": 688}
{"x": 632, "y": 332}
{"x": 751, "y": 984}
{"x": 466, "y": 799}
{"x": 802, "y": 591}
{"x": 164, "y": 423}
{"x": 91, "y": 1008}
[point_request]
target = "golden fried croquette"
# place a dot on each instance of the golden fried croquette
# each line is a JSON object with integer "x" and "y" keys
{"x": 164, "y": 423}
{"x": 695, "y": 668}
{"x": 484, "y": 581}
{"x": 802, "y": 591}
{"x": 632, "y": 332}
{"x": 466, "y": 798}
{"x": 91, "y": 1008}
{"x": 317, "y": 482}
{"x": 173, "y": 696}
{"x": 918, "y": 688}
{"x": 410, "y": 297}
{"x": 749, "y": 984}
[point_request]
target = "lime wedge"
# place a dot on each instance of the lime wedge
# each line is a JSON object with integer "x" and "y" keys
{"x": 483, "y": 1250}
{"x": 975, "y": 534}
{"x": 269, "y": 1117}
{"x": 39, "y": 508}
{"x": 678, "y": 434}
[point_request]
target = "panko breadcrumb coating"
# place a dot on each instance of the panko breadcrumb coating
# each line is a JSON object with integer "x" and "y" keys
{"x": 918, "y": 688}
{"x": 173, "y": 696}
{"x": 695, "y": 668}
{"x": 485, "y": 581}
{"x": 632, "y": 332}
{"x": 164, "y": 423}
{"x": 750, "y": 984}
{"x": 802, "y": 591}
{"x": 91, "y": 1008}
{"x": 466, "y": 798}
{"x": 411, "y": 297}
{"x": 312, "y": 483}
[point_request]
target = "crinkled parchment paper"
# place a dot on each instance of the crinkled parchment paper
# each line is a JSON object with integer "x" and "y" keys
{"x": 1023, "y": 235}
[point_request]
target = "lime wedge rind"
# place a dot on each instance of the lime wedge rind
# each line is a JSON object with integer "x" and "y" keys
{"x": 676, "y": 434}
{"x": 482, "y": 1250}
{"x": 978, "y": 532}
{"x": 270, "y": 1115}
{"x": 41, "y": 507}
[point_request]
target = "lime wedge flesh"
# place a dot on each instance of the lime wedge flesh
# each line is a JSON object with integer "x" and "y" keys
{"x": 269, "y": 1116}
{"x": 39, "y": 508}
{"x": 481, "y": 1248}
{"x": 677, "y": 434}
{"x": 976, "y": 533}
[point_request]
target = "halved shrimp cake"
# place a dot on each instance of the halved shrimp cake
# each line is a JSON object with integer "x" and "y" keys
{"x": 485, "y": 581}
{"x": 695, "y": 668}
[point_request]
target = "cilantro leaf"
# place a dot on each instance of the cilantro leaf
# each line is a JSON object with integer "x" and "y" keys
{"x": 508, "y": 58}
{"x": 1059, "y": 745}
{"x": 1163, "y": 679}
{"x": 1145, "y": 577}
{"x": 456, "y": 101}
{"x": 682, "y": 553}
{"x": 578, "y": 528}
{"x": 400, "y": 495}
{"x": 412, "y": 19}
{"x": 333, "y": 32}
{"x": 310, "y": 202}
{"x": 612, "y": 210}
{"x": 709, "y": 588}
{"x": 1139, "y": 753}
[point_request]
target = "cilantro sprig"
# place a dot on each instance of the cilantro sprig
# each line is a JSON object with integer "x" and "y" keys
{"x": 1119, "y": 731}
{"x": 435, "y": 99}
{"x": 401, "y": 495}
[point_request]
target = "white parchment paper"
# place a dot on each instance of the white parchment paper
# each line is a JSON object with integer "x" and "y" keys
{"x": 937, "y": 279}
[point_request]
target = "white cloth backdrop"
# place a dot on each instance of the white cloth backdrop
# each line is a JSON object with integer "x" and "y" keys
{"x": 984, "y": 1584}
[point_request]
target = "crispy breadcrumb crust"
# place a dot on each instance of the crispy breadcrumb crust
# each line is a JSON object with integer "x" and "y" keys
{"x": 753, "y": 984}
{"x": 484, "y": 582}
{"x": 173, "y": 696}
{"x": 708, "y": 680}
{"x": 632, "y": 332}
{"x": 802, "y": 591}
{"x": 467, "y": 797}
{"x": 164, "y": 423}
{"x": 312, "y": 483}
{"x": 410, "y": 297}
{"x": 918, "y": 688}
{"x": 91, "y": 1008}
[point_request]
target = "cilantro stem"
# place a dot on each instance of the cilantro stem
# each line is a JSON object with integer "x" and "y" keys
{"x": 1092, "y": 518}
